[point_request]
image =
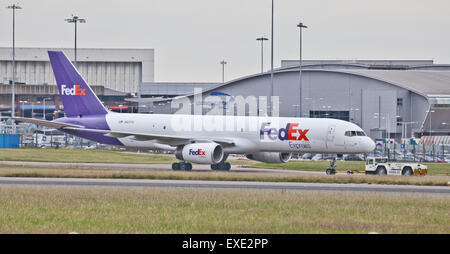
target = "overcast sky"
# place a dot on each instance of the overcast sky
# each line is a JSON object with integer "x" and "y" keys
{"x": 190, "y": 38}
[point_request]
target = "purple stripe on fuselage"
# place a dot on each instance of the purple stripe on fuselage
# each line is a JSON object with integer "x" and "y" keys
{"x": 90, "y": 122}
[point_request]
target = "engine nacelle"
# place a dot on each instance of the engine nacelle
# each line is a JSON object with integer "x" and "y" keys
{"x": 270, "y": 157}
{"x": 201, "y": 153}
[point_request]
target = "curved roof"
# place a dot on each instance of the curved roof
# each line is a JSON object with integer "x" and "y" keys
{"x": 425, "y": 83}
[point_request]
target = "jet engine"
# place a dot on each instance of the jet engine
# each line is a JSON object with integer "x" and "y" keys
{"x": 270, "y": 157}
{"x": 201, "y": 153}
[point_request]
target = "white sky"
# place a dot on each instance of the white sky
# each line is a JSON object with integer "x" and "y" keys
{"x": 190, "y": 38}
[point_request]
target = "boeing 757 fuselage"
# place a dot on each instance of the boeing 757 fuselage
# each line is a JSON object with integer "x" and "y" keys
{"x": 203, "y": 139}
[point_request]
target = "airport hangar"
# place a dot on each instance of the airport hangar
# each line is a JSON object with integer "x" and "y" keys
{"x": 114, "y": 74}
{"x": 400, "y": 98}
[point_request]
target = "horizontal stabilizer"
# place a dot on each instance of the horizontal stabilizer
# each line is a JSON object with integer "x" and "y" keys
{"x": 46, "y": 123}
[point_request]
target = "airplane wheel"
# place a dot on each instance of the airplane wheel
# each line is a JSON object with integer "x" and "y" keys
{"x": 221, "y": 166}
{"x": 224, "y": 166}
{"x": 182, "y": 166}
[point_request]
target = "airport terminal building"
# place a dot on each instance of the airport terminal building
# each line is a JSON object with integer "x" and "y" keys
{"x": 399, "y": 98}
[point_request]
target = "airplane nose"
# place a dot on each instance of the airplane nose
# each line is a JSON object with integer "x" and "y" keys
{"x": 370, "y": 145}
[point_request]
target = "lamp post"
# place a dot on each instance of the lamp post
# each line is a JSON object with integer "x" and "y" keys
{"x": 388, "y": 129}
{"x": 14, "y": 8}
{"x": 223, "y": 70}
{"x": 43, "y": 117}
{"x": 353, "y": 112}
{"x": 300, "y": 26}
{"x": 271, "y": 65}
{"x": 22, "y": 109}
{"x": 430, "y": 111}
{"x": 387, "y": 118}
{"x": 404, "y": 128}
{"x": 262, "y": 39}
{"x": 75, "y": 20}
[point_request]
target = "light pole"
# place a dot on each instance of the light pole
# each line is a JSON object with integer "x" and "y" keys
{"x": 405, "y": 128}
{"x": 430, "y": 111}
{"x": 353, "y": 113}
{"x": 43, "y": 117}
{"x": 44, "y": 111}
{"x": 32, "y": 109}
{"x": 387, "y": 118}
{"x": 262, "y": 39}
{"x": 22, "y": 109}
{"x": 300, "y": 26}
{"x": 223, "y": 70}
{"x": 388, "y": 128}
{"x": 271, "y": 66}
{"x": 13, "y": 7}
{"x": 75, "y": 20}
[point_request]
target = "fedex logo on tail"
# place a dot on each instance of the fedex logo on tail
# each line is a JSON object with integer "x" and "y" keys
{"x": 75, "y": 90}
{"x": 291, "y": 132}
{"x": 199, "y": 152}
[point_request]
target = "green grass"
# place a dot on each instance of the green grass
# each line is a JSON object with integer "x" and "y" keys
{"x": 104, "y": 156}
{"x": 155, "y": 210}
{"x": 79, "y": 155}
{"x": 288, "y": 176}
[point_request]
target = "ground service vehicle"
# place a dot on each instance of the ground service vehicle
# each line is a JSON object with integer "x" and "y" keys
{"x": 382, "y": 166}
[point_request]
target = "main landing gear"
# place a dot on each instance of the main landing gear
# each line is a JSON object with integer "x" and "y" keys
{"x": 182, "y": 166}
{"x": 222, "y": 166}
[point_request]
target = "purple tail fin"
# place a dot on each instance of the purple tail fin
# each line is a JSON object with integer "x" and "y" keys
{"x": 76, "y": 95}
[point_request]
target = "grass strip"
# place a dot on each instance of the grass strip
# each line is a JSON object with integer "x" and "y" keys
{"x": 187, "y": 211}
{"x": 223, "y": 176}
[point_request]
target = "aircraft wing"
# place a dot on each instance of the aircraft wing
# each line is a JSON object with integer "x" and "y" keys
{"x": 46, "y": 123}
{"x": 158, "y": 138}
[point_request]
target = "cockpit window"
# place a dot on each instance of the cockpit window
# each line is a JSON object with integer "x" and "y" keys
{"x": 354, "y": 133}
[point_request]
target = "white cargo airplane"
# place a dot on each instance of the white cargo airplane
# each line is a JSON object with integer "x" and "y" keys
{"x": 272, "y": 141}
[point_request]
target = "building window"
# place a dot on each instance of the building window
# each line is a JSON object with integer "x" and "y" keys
{"x": 341, "y": 115}
{"x": 399, "y": 121}
{"x": 399, "y": 102}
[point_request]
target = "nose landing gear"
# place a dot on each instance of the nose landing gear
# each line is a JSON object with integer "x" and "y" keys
{"x": 331, "y": 170}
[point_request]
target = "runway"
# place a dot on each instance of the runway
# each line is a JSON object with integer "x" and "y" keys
{"x": 330, "y": 187}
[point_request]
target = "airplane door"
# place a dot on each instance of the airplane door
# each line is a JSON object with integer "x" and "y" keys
{"x": 331, "y": 133}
